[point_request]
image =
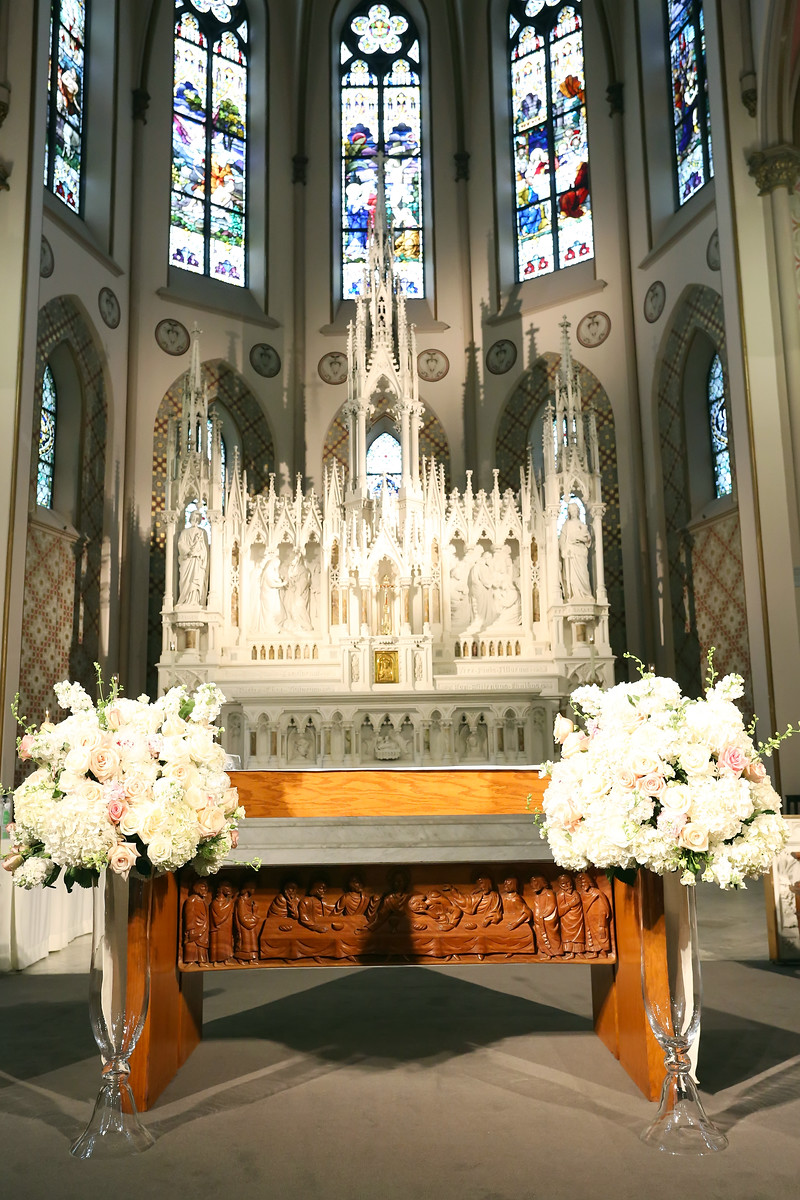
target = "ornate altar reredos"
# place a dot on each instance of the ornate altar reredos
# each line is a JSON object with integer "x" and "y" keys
{"x": 394, "y": 625}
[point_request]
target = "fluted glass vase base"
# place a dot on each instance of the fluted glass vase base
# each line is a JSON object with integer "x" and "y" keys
{"x": 681, "y": 1125}
{"x": 114, "y": 1129}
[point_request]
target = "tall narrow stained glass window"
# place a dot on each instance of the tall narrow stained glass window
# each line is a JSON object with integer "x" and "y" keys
{"x": 47, "y": 441}
{"x": 384, "y": 461}
{"x": 209, "y": 139}
{"x": 63, "y": 155}
{"x": 381, "y": 111}
{"x": 694, "y": 164}
{"x": 552, "y": 203}
{"x": 718, "y": 421}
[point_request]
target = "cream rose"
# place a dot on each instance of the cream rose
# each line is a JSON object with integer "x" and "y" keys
{"x": 103, "y": 763}
{"x": 693, "y": 837}
{"x": 93, "y": 739}
{"x": 230, "y": 800}
{"x": 137, "y": 786}
{"x": 129, "y": 822}
{"x": 755, "y": 771}
{"x": 562, "y": 728}
{"x": 625, "y": 778}
{"x": 78, "y": 760}
{"x": 159, "y": 849}
{"x": 695, "y": 759}
{"x": 115, "y": 716}
{"x": 653, "y": 785}
{"x": 574, "y": 743}
{"x": 182, "y": 772}
{"x": 676, "y": 799}
{"x": 644, "y": 764}
{"x": 211, "y": 821}
{"x": 196, "y": 797}
{"x": 151, "y": 825}
{"x": 122, "y": 858}
{"x": 173, "y": 727}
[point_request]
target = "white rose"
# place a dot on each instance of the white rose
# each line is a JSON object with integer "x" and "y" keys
{"x": 77, "y": 760}
{"x": 644, "y": 763}
{"x": 695, "y": 759}
{"x": 574, "y": 743}
{"x": 693, "y": 837}
{"x": 174, "y": 727}
{"x": 676, "y": 798}
{"x": 151, "y": 825}
{"x": 159, "y": 849}
{"x": 229, "y": 801}
{"x": 196, "y": 797}
{"x": 129, "y": 823}
{"x": 562, "y": 728}
{"x": 137, "y": 786}
{"x": 211, "y": 821}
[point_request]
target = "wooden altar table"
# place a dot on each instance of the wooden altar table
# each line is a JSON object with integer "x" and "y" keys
{"x": 460, "y": 823}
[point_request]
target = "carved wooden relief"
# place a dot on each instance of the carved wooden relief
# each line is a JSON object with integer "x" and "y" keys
{"x": 530, "y": 912}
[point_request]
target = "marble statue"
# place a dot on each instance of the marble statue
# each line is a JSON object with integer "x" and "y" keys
{"x": 272, "y": 615}
{"x": 193, "y": 563}
{"x": 573, "y": 544}
{"x": 297, "y": 595}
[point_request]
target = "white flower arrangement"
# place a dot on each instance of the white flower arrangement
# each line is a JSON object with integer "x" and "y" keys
{"x": 664, "y": 782}
{"x": 123, "y": 784}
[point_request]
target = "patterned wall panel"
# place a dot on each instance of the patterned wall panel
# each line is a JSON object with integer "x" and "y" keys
{"x": 258, "y": 459}
{"x": 524, "y": 405}
{"x": 432, "y": 437}
{"x": 61, "y": 611}
{"x": 706, "y": 584}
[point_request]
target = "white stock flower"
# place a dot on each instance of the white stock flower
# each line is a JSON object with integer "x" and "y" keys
{"x": 33, "y": 873}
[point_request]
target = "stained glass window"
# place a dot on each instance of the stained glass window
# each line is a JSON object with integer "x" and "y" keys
{"x": 694, "y": 164}
{"x": 718, "y": 421}
{"x": 47, "y": 441}
{"x": 552, "y": 203}
{"x": 63, "y": 155}
{"x": 381, "y": 105}
{"x": 209, "y": 139}
{"x": 384, "y": 461}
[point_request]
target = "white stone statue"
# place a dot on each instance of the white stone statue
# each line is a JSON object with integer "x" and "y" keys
{"x": 272, "y": 616}
{"x": 506, "y": 597}
{"x": 573, "y": 544}
{"x": 297, "y": 595}
{"x": 193, "y": 563}
{"x": 480, "y": 583}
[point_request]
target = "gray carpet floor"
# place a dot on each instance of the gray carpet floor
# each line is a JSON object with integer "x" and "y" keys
{"x": 472, "y": 1083}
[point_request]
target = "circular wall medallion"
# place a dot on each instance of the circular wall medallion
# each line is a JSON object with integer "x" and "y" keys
{"x": 712, "y": 251}
{"x": 593, "y": 329}
{"x": 46, "y": 260}
{"x": 172, "y": 337}
{"x": 333, "y": 367}
{"x": 501, "y": 356}
{"x": 432, "y": 365}
{"x": 108, "y": 304}
{"x": 654, "y": 301}
{"x": 265, "y": 360}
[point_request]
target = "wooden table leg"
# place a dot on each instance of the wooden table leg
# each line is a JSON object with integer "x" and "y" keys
{"x": 174, "y": 1022}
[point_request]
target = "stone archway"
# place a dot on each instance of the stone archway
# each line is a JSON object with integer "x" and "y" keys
{"x": 432, "y": 438}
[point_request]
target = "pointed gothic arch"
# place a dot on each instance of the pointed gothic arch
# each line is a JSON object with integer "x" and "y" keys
{"x": 433, "y": 441}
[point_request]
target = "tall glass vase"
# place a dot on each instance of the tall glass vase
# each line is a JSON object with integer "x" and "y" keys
{"x": 672, "y": 991}
{"x": 119, "y": 990}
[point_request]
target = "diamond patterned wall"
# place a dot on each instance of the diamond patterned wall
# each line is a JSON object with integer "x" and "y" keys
{"x": 432, "y": 437}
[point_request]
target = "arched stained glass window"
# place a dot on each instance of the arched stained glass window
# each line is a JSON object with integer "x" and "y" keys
{"x": 694, "y": 164}
{"x": 381, "y": 110}
{"x": 718, "y": 421}
{"x": 47, "y": 441}
{"x": 384, "y": 461}
{"x": 552, "y": 204}
{"x": 63, "y": 156}
{"x": 209, "y": 139}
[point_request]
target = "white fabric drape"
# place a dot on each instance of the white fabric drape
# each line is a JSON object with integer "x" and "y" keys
{"x": 36, "y": 922}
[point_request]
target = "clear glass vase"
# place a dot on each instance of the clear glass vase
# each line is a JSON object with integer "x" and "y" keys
{"x": 119, "y": 990}
{"x": 672, "y": 991}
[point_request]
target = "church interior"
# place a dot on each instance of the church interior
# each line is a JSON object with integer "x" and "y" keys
{"x": 444, "y": 352}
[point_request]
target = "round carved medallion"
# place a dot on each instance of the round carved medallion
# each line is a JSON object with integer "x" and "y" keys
{"x": 172, "y": 337}
{"x": 46, "y": 261}
{"x": 501, "y": 356}
{"x": 654, "y": 301}
{"x": 265, "y": 360}
{"x": 432, "y": 365}
{"x": 712, "y": 251}
{"x": 593, "y": 329}
{"x": 333, "y": 367}
{"x": 108, "y": 305}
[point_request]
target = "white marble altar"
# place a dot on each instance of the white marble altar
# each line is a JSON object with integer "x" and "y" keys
{"x": 391, "y": 625}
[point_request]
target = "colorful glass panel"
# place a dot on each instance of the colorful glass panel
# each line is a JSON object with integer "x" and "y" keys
{"x": 718, "y": 423}
{"x": 47, "y": 441}
{"x": 381, "y": 110}
{"x": 384, "y": 460}
{"x": 64, "y": 147}
{"x": 694, "y": 164}
{"x": 209, "y": 140}
{"x": 553, "y": 214}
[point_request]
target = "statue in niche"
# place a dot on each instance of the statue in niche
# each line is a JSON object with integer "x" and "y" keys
{"x": 193, "y": 563}
{"x": 418, "y": 667}
{"x": 245, "y": 924}
{"x": 573, "y": 545}
{"x": 195, "y": 923}
{"x": 297, "y": 595}
{"x": 507, "y": 600}
{"x": 313, "y": 910}
{"x": 570, "y": 916}
{"x": 389, "y": 745}
{"x": 480, "y": 585}
{"x": 355, "y": 670}
{"x": 272, "y": 615}
{"x": 545, "y": 918}
{"x": 386, "y": 590}
{"x": 597, "y": 915}
{"x": 221, "y": 918}
{"x": 459, "y": 592}
{"x": 301, "y": 745}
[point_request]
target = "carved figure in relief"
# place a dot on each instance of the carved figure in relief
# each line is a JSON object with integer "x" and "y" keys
{"x": 355, "y": 672}
{"x": 272, "y": 616}
{"x": 301, "y": 745}
{"x": 354, "y": 901}
{"x": 195, "y": 923}
{"x": 570, "y": 915}
{"x": 386, "y": 590}
{"x": 221, "y": 918}
{"x": 245, "y": 924}
{"x": 193, "y": 563}
{"x": 298, "y": 595}
{"x": 384, "y": 667}
{"x": 483, "y": 903}
{"x": 515, "y": 910}
{"x": 480, "y": 584}
{"x": 506, "y": 596}
{"x": 285, "y": 906}
{"x": 312, "y": 909}
{"x": 573, "y": 544}
{"x": 596, "y": 914}
{"x": 393, "y": 904}
{"x": 545, "y": 918}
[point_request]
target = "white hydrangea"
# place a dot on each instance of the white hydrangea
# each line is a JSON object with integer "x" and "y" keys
{"x": 32, "y": 873}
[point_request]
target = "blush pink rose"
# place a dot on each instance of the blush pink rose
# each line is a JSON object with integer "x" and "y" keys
{"x": 103, "y": 763}
{"x": 211, "y": 821}
{"x": 116, "y": 810}
{"x": 755, "y": 771}
{"x": 653, "y": 785}
{"x": 122, "y": 858}
{"x": 25, "y": 745}
{"x": 625, "y": 778}
{"x": 732, "y": 759}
